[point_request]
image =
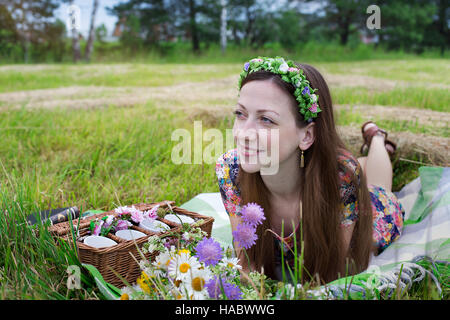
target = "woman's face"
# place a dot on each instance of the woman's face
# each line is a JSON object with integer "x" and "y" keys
{"x": 265, "y": 126}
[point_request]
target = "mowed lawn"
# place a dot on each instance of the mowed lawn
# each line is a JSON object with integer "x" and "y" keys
{"x": 99, "y": 136}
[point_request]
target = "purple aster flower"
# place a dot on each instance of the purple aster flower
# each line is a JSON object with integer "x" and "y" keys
{"x": 232, "y": 292}
{"x": 305, "y": 91}
{"x": 246, "y": 65}
{"x": 253, "y": 214}
{"x": 209, "y": 251}
{"x": 245, "y": 235}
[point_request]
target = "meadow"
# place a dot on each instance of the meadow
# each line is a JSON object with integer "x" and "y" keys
{"x": 98, "y": 136}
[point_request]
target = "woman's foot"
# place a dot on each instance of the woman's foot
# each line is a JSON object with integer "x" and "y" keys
{"x": 369, "y": 129}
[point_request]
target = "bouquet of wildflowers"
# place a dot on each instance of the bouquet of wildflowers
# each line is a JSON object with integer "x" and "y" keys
{"x": 190, "y": 266}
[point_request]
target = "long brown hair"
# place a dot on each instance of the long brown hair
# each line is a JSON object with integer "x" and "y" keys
{"x": 321, "y": 201}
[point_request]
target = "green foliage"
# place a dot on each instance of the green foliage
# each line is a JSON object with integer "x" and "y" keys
{"x": 404, "y": 23}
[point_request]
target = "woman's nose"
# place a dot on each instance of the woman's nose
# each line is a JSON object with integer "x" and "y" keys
{"x": 247, "y": 135}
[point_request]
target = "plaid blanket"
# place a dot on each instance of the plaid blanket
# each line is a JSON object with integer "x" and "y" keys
{"x": 425, "y": 240}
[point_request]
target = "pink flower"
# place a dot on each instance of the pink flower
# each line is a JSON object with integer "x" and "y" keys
{"x": 151, "y": 214}
{"x": 122, "y": 225}
{"x": 137, "y": 215}
{"x": 98, "y": 228}
{"x": 313, "y": 107}
{"x": 124, "y": 210}
{"x": 291, "y": 69}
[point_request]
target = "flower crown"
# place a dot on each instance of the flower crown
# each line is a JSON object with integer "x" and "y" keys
{"x": 308, "y": 101}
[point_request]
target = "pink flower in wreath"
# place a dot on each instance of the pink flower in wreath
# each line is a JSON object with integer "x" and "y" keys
{"x": 313, "y": 107}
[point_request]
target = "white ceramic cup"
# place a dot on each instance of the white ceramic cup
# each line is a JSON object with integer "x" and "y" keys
{"x": 130, "y": 234}
{"x": 176, "y": 218}
{"x": 154, "y": 225}
{"x": 99, "y": 241}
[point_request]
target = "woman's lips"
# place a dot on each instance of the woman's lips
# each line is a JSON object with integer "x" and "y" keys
{"x": 248, "y": 152}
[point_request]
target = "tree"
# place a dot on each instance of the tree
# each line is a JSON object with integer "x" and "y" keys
{"x": 345, "y": 17}
{"x": 35, "y": 28}
{"x": 403, "y": 23}
{"x": 31, "y": 19}
{"x": 90, "y": 42}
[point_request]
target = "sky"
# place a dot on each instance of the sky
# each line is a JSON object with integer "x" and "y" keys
{"x": 85, "y": 14}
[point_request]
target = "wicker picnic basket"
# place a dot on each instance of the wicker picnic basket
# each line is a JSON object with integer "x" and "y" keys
{"x": 120, "y": 257}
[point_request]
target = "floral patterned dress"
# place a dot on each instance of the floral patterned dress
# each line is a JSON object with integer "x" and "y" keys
{"x": 388, "y": 212}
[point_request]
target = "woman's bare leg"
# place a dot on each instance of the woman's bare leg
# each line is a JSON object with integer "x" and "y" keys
{"x": 362, "y": 162}
{"x": 377, "y": 165}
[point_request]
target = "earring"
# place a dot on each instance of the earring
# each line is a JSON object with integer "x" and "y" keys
{"x": 302, "y": 161}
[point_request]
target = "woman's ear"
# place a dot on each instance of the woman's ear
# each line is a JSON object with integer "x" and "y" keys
{"x": 307, "y": 136}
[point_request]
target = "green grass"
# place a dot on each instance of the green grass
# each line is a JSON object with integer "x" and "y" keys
{"x": 418, "y": 97}
{"x": 347, "y": 117}
{"x": 419, "y": 71}
{"x": 146, "y": 75}
{"x": 98, "y": 157}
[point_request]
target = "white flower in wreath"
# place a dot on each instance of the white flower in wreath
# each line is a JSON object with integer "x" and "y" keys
{"x": 314, "y": 97}
{"x": 283, "y": 67}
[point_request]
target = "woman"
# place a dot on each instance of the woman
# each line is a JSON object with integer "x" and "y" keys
{"x": 341, "y": 207}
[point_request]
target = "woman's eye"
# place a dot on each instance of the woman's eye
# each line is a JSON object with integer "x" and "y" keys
{"x": 237, "y": 113}
{"x": 267, "y": 120}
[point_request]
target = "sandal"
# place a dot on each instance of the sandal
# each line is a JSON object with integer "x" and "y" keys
{"x": 368, "y": 135}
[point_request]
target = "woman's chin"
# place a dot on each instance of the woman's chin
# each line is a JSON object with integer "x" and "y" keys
{"x": 250, "y": 168}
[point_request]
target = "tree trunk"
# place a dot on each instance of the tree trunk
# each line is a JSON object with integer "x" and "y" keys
{"x": 91, "y": 38}
{"x": 345, "y": 30}
{"x": 193, "y": 24}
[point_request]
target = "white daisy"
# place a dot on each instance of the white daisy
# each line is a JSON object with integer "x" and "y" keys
{"x": 181, "y": 265}
{"x": 232, "y": 263}
{"x": 162, "y": 260}
{"x": 195, "y": 284}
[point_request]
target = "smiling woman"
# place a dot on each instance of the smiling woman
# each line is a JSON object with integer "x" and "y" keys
{"x": 310, "y": 196}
